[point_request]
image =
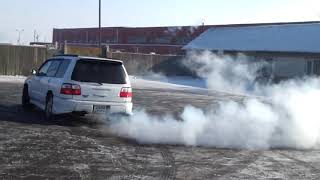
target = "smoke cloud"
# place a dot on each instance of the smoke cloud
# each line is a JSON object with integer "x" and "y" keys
{"x": 286, "y": 117}
{"x": 225, "y": 73}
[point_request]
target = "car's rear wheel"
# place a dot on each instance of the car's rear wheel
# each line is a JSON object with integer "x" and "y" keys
{"x": 25, "y": 98}
{"x": 48, "y": 109}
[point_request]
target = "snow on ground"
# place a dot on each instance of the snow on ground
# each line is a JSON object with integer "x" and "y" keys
{"x": 177, "y": 83}
{"x": 12, "y": 79}
{"x": 178, "y": 80}
{"x": 187, "y": 81}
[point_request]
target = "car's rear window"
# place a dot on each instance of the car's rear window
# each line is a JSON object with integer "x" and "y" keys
{"x": 99, "y": 71}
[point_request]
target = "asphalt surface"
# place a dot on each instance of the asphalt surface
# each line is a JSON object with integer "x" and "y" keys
{"x": 80, "y": 148}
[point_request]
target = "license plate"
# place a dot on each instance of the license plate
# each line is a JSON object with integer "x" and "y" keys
{"x": 101, "y": 109}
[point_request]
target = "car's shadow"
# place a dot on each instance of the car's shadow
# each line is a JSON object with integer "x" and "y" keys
{"x": 16, "y": 113}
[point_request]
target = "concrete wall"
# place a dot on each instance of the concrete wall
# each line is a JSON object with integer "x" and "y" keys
{"x": 139, "y": 64}
{"x": 82, "y": 50}
{"x": 20, "y": 60}
{"x": 136, "y": 63}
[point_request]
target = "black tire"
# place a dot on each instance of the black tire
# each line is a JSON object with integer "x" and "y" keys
{"x": 48, "y": 109}
{"x": 25, "y": 98}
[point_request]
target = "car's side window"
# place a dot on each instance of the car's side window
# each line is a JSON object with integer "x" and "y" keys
{"x": 62, "y": 68}
{"x": 52, "y": 71}
{"x": 44, "y": 69}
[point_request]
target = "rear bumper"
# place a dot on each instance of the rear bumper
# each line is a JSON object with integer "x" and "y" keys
{"x": 62, "y": 106}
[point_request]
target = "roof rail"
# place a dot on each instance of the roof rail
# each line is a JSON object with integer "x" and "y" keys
{"x": 68, "y": 55}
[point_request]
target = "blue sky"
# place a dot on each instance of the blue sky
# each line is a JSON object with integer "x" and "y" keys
{"x": 44, "y": 15}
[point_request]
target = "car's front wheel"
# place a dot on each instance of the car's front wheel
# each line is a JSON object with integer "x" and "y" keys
{"x": 25, "y": 98}
{"x": 49, "y": 106}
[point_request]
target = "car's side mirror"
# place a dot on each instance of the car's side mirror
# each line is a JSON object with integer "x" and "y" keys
{"x": 41, "y": 74}
{"x": 34, "y": 72}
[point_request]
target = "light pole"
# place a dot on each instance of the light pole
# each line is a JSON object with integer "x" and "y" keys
{"x": 19, "y": 35}
{"x": 99, "y": 23}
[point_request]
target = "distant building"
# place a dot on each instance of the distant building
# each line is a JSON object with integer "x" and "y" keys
{"x": 160, "y": 40}
{"x": 291, "y": 49}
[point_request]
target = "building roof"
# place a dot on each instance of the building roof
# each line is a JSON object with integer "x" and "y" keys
{"x": 192, "y": 26}
{"x": 270, "y": 38}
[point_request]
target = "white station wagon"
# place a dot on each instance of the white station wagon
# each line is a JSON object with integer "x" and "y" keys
{"x": 82, "y": 85}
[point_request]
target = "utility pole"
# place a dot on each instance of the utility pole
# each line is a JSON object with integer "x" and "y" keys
{"x": 35, "y": 36}
{"x": 19, "y": 35}
{"x": 99, "y": 23}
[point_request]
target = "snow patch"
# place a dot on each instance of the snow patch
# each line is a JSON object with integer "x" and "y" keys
{"x": 170, "y": 83}
{"x": 12, "y": 79}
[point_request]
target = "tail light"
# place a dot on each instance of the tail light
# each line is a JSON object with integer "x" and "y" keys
{"x": 126, "y": 92}
{"x": 70, "y": 89}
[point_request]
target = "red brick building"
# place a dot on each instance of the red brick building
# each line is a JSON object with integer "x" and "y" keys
{"x": 160, "y": 40}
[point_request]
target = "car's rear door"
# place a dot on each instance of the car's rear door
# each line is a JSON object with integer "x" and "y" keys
{"x": 57, "y": 76}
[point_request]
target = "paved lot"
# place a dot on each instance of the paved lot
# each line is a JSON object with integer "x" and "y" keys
{"x": 80, "y": 148}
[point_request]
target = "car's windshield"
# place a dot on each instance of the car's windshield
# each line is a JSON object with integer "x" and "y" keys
{"x": 99, "y": 71}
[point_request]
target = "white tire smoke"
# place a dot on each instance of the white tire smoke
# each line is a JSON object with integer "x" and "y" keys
{"x": 287, "y": 117}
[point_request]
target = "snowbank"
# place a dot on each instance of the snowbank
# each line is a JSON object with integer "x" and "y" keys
{"x": 12, "y": 79}
{"x": 167, "y": 83}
